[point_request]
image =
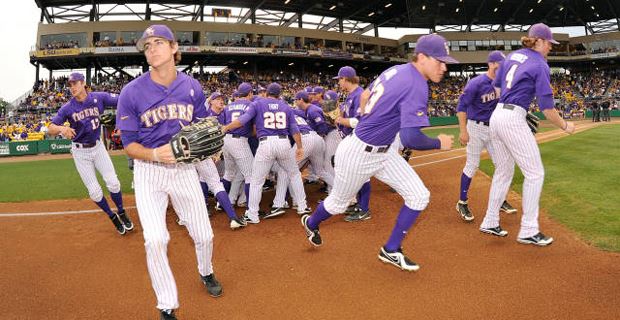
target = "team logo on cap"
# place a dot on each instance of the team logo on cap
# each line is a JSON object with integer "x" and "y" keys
{"x": 191, "y": 92}
{"x": 149, "y": 31}
{"x": 420, "y": 113}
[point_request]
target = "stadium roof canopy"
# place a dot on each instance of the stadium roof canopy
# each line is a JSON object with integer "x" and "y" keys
{"x": 354, "y": 16}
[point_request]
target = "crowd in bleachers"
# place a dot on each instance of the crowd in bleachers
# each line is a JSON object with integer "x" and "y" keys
{"x": 60, "y": 45}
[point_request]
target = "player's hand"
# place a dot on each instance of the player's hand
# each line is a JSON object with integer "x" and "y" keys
{"x": 446, "y": 141}
{"x": 68, "y": 132}
{"x": 464, "y": 138}
{"x": 224, "y": 129}
{"x": 299, "y": 154}
{"x": 570, "y": 127}
{"x": 164, "y": 154}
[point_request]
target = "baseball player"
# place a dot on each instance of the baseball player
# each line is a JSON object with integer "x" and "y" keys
{"x": 348, "y": 81}
{"x": 474, "y": 111}
{"x": 151, "y": 109}
{"x": 274, "y": 121}
{"x": 316, "y": 120}
{"x": 523, "y": 75}
{"x": 89, "y": 155}
{"x": 396, "y": 100}
{"x": 314, "y": 149}
{"x": 238, "y": 156}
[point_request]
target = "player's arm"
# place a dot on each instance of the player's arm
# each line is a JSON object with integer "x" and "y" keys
{"x": 293, "y": 129}
{"x": 414, "y": 138}
{"x": 461, "y": 114}
{"x": 109, "y": 99}
{"x": 137, "y": 151}
{"x": 363, "y": 100}
{"x": 544, "y": 96}
{"x": 56, "y": 127}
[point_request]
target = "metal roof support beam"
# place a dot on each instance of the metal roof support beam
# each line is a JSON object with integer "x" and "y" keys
{"x": 514, "y": 13}
{"x": 340, "y": 24}
{"x": 44, "y": 13}
{"x": 333, "y": 23}
{"x": 298, "y": 16}
{"x": 482, "y": 3}
{"x": 147, "y": 14}
{"x": 368, "y": 28}
{"x": 611, "y": 7}
{"x": 362, "y": 9}
{"x": 251, "y": 13}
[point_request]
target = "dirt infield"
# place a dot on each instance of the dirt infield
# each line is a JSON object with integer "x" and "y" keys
{"x": 75, "y": 266}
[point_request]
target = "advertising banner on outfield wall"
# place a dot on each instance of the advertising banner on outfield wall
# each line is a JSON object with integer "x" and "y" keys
{"x": 190, "y": 49}
{"x": 4, "y": 149}
{"x": 23, "y": 147}
{"x": 58, "y": 52}
{"x": 235, "y": 50}
{"x": 60, "y": 146}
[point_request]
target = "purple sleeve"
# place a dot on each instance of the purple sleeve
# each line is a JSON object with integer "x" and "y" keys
{"x": 413, "y": 107}
{"x": 465, "y": 100}
{"x": 129, "y": 137}
{"x": 544, "y": 93}
{"x": 497, "y": 82}
{"x": 200, "y": 111}
{"x": 321, "y": 127}
{"x": 126, "y": 117}
{"x": 292, "y": 124}
{"x": 109, "y": 99}
{"x": 60, "y": 118}
{"x": 413, "y": 138}
{"x": 249, "y": 114}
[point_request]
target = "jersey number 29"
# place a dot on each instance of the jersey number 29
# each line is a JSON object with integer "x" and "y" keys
{"x": 275, "y": 120}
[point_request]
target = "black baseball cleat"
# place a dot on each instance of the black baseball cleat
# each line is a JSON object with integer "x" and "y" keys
{"x": 313, "y": 235}
{"x": 237, "y": 223}
{"x": 275, "y": 211}
{"x": 496, "y": 231}
{"x": 125, "y": 220}
{"x": 358, "y": 215}
{"x": 167, "y": 314}
{"x": 118, "y": 224}
{"x": 463, "y": 209}
{"x": 506, "y": 207}
{"x": 538, "y": 239}
{"x": 398, "y": 259}
{"x": 214, "y": 288}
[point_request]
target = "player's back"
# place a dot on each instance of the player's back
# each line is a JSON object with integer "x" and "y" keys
{"x": 273, "y": 117}
{"x": 518, "y": 77}
{"x": 234, "y": 110}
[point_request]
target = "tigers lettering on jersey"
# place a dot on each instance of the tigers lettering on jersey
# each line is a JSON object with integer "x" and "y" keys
{"x": 168, "y": 112}
{"x": 86, "y": 113}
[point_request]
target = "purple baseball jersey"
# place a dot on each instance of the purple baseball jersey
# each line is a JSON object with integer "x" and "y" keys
{"x": 156, "y": 112}
{"x": 523, "y": 75}
{"x": 271, "y": 116}
{"x": 398, "y": 99}
{"x": 211, "y": 112}
{"x": 351, "y": 109}
{"x": 233, "y": 111}
{"x": 83, "y": 117}
{"x": 302, "y": 124}
{"x": 316, "y": 120}
{"x": 478, "y": 99}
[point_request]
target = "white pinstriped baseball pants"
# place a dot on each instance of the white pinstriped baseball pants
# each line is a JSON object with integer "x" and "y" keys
{"x": 207, "y": 172}
{"x": 90, "y": 160}
{"x": 479, "y": 139}
{"x": 154, "y": 183}
{"x": 513, "y": 142}
{"x": 355, "y": 165}
{"x": 332, "y": 140}
{"x": 237, "y": 158}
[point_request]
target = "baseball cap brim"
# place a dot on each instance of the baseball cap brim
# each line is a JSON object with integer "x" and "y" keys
{"x": 336, "y": 78}
{"x": 447, "y": 59}
{"x": 553, "y": 41}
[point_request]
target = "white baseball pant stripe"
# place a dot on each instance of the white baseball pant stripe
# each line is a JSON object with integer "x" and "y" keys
{"x": 272, "y": 150}
{"x": 237, "y": 158}
{"x": 332, "y": 140}
{"x": 479, "y": 139}
{"x": 355, "y": 165}
{"x": 207, "y": 172}
{"x": 514, "y": 142}
{"x": 314, "y": 149}
{"x": 154, "y": 183}
{"x": 87, "y": 162}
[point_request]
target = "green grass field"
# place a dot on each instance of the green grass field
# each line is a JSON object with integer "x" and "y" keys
{"x": 582, "y": 184}
{"x": 434, "y": 132}
{"x": 52, "y": 179}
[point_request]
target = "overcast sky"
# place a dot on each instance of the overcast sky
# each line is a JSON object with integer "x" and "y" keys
{"x": 18, "y": 25}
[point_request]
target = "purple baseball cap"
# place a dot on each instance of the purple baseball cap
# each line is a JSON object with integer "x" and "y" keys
{"x": 496, "y": 56}
{"x": 331, "y": 95}
{"x": 346, "y": 72}
{"x": 76, "y": 76}
{"x": 156, "y": 30}
{"x": 318, "y": 89}
{"x": 235, "y": 94}
{"x": 436, "y": 46}
{"x": 542, "y": 31}
{"x": 244, "y": 89}
{"x": 308, "y": 89}
{"x": 274, "y": 89}
{"x": 215, "y": 95}
{"x": 303, "y": 95}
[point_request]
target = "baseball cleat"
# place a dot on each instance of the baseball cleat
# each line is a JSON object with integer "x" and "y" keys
{"x": 218, "y": 207}
{"x": 247, "y": 219}
{"x": 506, "y": 207}
{"x": 358, "y": 215}
{"x": 118, "y": 224}
{"x": 307, "y": 210}
{"x": 214, "y": 288}
{"x": 463, "y": 209}
{"x": 237, "y": 223}
{"x": 275, "y": 212}
{"x": 352, "y": 209}
{"x": 538, "y": 239}
{"x": 125, "y": 220}
{"x": 497, "y": 231}
{"x": 398, "y": 259}
{"x": 242, "y": 204}
{"x": 313, "y": 235}
{"x": 167, "y": 314}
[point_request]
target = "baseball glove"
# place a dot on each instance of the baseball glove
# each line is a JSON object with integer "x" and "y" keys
{"x": 407, "y": 154}
{"x": 198, "y": 141}
{"x": 532, "y": 122}
{"x": 108, "y": 119}
{"x": 331, "y": 111}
